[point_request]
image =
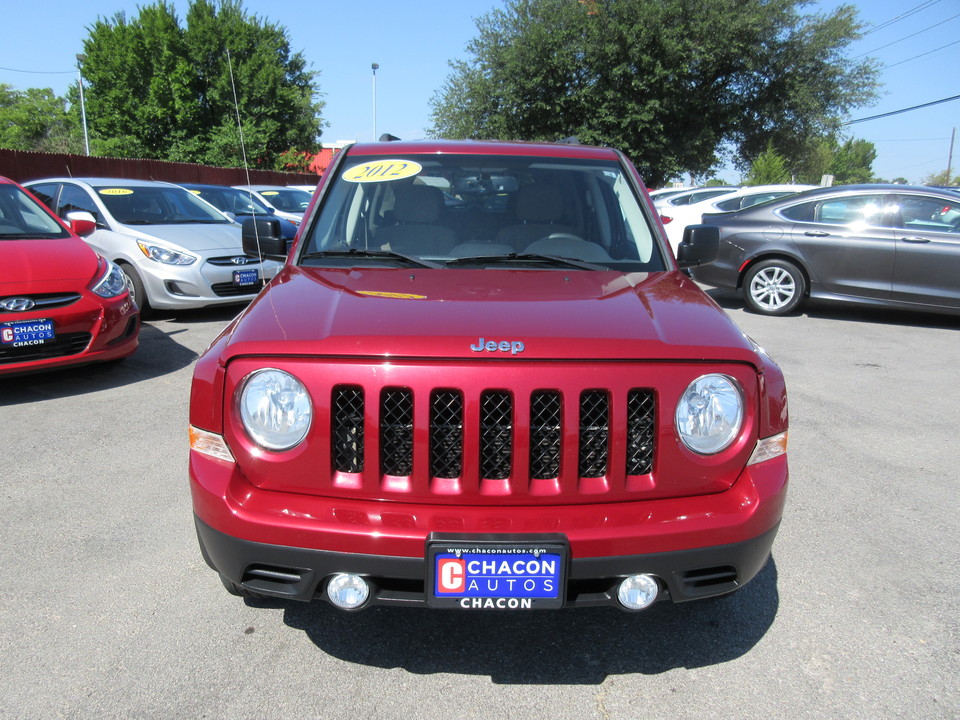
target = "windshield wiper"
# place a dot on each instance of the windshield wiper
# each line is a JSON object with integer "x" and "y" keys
{"x": 526, "y": 258}
{"x": 371, "y": 254}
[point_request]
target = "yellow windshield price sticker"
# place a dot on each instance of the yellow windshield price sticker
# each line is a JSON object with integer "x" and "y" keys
{"x": 116, "y": 191}
{"x": 393, "y": 295}
{"x": 382, "y": 171}
{"x": 270, "y": 193}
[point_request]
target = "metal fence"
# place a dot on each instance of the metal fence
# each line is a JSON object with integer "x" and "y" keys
{"x": 22, "y": 166}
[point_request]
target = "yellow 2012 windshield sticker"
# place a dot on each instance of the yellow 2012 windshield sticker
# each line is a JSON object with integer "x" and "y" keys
{"x": 116, "y": 191}
{"x": 382, "y": 171}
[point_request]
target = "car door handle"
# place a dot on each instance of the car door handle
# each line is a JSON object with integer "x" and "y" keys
{"x": 817, "y": 233}
{"x": 915, "y": 239}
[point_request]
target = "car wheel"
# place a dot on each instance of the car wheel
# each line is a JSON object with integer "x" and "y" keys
{"x": 774, "y": 287}
{"x": 135, "y": 288}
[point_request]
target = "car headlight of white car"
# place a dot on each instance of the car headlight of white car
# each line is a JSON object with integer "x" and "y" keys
{"x": 113, "y": 282}
{"x": 709, "y": 415}
{"x": 166, "y": 255}
{"x": 275, "y": 409}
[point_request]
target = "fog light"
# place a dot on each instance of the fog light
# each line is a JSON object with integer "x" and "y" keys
{"x": 638, "y": 592}
{"x": 347, "y": 591}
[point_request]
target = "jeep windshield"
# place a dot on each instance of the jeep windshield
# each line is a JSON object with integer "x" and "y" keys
{"x": 483, "y": 211}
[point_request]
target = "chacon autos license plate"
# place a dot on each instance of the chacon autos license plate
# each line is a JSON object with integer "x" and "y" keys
{"x": 490, "y": 572}
{"x": 242, "y": 278}
{"x": 26, "y": 332}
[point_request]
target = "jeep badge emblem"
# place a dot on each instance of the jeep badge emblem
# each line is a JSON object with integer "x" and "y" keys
{"x": 511, "y": 346}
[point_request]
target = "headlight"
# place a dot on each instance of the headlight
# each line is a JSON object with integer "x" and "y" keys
{"x": 710, "y": 414}
{"x": 166, "y": 255}
{"x": 113, "y": 283}
{"x": 275, "y": 409}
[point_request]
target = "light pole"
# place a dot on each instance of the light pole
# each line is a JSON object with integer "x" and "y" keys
{"x": 83, "y": 107}
{"x": 374, "y": 67}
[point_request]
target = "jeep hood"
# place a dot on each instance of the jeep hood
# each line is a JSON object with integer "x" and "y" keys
{"x": 555, "y": 315}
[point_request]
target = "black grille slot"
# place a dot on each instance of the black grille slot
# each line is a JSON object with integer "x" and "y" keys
{"x": 348, "y": 429}
{"x": 594, "y": 433}
{"x": 446, "y": 434}
{"x": 496, "y": 435}
{"x": 228, "y": 261}
{"x": 641, "y": 421}
{"x": 228, "y": 289}
{"x": 545, "y": 440}
{"x": 710, "y": 577}
{"x": 396, "y": 432}
{"x": 63, "y": 345}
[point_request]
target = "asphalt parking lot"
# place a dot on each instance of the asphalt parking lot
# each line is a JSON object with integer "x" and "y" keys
{"x": 107, "y": 609}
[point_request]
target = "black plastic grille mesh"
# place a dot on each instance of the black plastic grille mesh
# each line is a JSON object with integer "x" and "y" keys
{"x": 545, "y": 439}
{"x": 594, "y": 433}
{"x": 63, "y": 345}
{"x": 396, "y": 432}
{"x": 348, "y": 429}
{"x": 446, "y": 434}
{"x": 496, "y": 435}
{"x": 641, "y": 423}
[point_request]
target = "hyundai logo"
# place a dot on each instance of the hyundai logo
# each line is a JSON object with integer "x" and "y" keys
{"x": 241, "y": 260}
{"x": 19, "y": 304}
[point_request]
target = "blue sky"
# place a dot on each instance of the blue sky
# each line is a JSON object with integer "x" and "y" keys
{"x": 413, "y": 42}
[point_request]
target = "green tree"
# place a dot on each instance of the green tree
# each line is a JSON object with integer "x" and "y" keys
{"x": 671, "y": 82}
{"x": 768, "y": 168}
{"x": 941, "y": 178}
{"x": 36, "y": 119}
{"x": 157, "y": 88}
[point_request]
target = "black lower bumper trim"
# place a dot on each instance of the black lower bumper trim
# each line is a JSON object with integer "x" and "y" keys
{"x": 300, "y": 573}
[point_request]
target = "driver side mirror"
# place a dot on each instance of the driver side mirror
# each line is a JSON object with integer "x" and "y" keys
{"x": 81, "y": 222}
{"x": 700, "y": 246}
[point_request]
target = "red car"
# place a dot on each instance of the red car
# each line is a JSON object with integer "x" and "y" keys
{"x": 481, "y": 381}
{"x": 61, "y": 304}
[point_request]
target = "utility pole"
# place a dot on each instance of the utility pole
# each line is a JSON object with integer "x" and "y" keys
{"x": 950, "y": 155}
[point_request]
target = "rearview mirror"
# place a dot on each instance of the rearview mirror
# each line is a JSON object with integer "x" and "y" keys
{"x": 700, "y": 246}
{"x": 81, "y": 222}
{"x": 262, "y": 238}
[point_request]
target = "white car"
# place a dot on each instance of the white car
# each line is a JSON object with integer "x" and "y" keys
{"x": 288, "y": 202}
{"x": 676, "y": 218}
{"x": 176, "y": 250}
{"x": 692, "y": 195}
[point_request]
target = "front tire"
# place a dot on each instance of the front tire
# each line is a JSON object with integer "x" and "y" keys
{"x": 136, "y": 290}
{"x": 774, "y": 287}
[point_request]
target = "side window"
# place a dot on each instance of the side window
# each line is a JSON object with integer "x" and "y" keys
{"x": 47, "y": 194}
{"x": 804, "y": 212}
{"x": 929, "y": 214}
{"x": 728, "y": 205}
{"x": 870, "y": 210}
{"x": 73, "y": 199}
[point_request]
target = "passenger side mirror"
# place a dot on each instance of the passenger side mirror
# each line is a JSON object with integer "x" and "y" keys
{"x": 262, "y": 237}
{"x": 700, "y": 246}
{"x": 81, "y": 222}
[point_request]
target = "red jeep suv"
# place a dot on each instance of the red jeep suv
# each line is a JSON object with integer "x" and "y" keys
{"x": 481, "y": 381}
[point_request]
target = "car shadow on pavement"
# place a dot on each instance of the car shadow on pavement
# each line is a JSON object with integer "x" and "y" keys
{"x": 158, "y": 354}
{"x": 577, "y": 646}
{"x": 821, "y": 309}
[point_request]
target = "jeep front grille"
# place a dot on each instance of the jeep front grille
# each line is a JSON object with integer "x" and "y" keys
{"x": 499, "y": 433}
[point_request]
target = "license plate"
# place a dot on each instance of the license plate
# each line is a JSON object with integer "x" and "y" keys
{"x": 246, "y": 277}
{"x": 26, "y": 333}
{"x": 496, "y": 573}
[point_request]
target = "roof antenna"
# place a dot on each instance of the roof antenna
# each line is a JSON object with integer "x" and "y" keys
{"x": 387, "y": 137}
{"x": 243, "y": 154}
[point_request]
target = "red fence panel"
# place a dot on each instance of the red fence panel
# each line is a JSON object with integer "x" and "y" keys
{"x": 22, "y": 166}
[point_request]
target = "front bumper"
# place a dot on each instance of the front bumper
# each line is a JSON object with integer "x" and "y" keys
{"x": 202, "y": 284}
{"x": 287, "y": 545}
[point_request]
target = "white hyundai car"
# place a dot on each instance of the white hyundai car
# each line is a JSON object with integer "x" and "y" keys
{"x": 176, "y": 250}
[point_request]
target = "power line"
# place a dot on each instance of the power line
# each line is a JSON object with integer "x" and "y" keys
{"x": 38, "y": 72}
{"x": 897, "y": 112}
{"x": 931, "y": 27}
{"x": 901, "y": 16}
{"x": 929, "y": 52}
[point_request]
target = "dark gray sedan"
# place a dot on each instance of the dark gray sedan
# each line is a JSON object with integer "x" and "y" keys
{"x": 890, "y": 245}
